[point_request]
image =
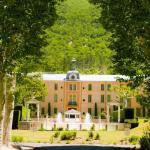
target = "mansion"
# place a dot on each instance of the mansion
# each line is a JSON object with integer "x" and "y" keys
{"x": 84, "y": 93}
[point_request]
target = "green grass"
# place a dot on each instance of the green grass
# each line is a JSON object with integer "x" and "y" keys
{"x": 106, "y": 137}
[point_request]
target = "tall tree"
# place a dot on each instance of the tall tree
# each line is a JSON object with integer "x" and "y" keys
{"x": 78, "y": 34}
{"x": 129, "y": 23}
{"x": 22, "y": 27}
{"x": 29, "y": 87}
{"x": 95, "y": 110}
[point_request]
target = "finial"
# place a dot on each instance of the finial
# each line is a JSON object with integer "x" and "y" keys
{"x": 73, "y": 61}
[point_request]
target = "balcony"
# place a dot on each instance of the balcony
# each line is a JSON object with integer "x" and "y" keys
{"x": 72, "y": 103}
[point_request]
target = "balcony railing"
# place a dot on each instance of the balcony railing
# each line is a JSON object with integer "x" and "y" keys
{"x": 72, "y": 103}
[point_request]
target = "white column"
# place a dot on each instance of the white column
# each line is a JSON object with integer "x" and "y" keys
{"x": 38, "y": 111}
{"x": 108, "y": 118}
{"x": 118, "y": 113}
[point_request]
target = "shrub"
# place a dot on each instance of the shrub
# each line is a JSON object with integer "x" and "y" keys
{"x": 133, "y": 139}
{"x": 56, "y": 134}
{"x": 97, "y": 137}
{"x": 51, "y": 139}
{"x": 145, "y": 140}
{"x": 90, "y": 134}
{"x": 60, "y": 129}
{"x": 67, "y": 142}
{"x": 93, "y": 127}
{"x": 17, "y": 139}
{"x": 68, "y": 135}
{"x": 103, "y": 115}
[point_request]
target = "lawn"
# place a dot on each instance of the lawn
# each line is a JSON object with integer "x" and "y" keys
{"x": 106, "y": 137}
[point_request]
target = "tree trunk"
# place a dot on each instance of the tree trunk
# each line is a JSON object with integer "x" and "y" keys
{"x": 2, "y": 102}
{"x": 9, "y": 107}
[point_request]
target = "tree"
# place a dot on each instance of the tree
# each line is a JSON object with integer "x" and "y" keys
{"x": 125, "y": 93}
{"x": 22, "y": 27}
{"x": 77, "y": 34}
{"x": 29, "y": 87}
{"x": 129, "y": 22}
{"x": 49, "y": 108}
{"x": 96, "y": 109}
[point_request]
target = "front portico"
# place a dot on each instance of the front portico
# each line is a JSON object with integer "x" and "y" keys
{"x": 72, "y": 116}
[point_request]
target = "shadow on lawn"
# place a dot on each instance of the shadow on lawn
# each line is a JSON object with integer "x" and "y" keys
{"x": 83, "y": 148}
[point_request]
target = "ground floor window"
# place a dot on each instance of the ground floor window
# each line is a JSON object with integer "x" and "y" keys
{"x": 72, "y": 116}
{"x": 55, "y": 110}
{"x": 43, "y": 111}
{"x": 90, "y": 111}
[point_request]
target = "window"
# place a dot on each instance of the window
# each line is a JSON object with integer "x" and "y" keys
{"x": 55, "y": 98}
{"x": 89, "y": 87}
{"x": 72, "y": 116}
{"x": 89, "y": 98}
{"x": 102, "y": 109}
{"x": 56, "y": 86}
{"x": 72, "y": 100}
{"x": 72, "y": 87}
{"x": 108, "y": 98}
{"x": 72, "y": 97}
{"x": 55, "y": 110}
{"x": 43, "y": 111}
{"x": 102, "y": 87}
{"x": 102, "y": 98}
{"x": 108, "y": 87}
{"x": 90, "y": 111}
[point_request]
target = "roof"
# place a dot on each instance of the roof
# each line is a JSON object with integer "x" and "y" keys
{"x": 83, "y": 77}
{"x": 72, "y": 111}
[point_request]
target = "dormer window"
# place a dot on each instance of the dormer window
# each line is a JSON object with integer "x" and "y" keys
{"x": 73, "y": 77}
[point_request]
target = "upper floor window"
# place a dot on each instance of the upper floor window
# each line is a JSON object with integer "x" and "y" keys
{"x": 72, "y": 97}
{"x": 55, "y": 98}
{"x": 55, "y": 86}
{"x": 89, "y": 98}
{"x": 108, "y": 87}
{"x": 72, "y": 100}
{"x": 89, "y": 87}
{"x": 102, "y": 87}
{"x": 72, "y": 87}
{"x": 102, "y": 98}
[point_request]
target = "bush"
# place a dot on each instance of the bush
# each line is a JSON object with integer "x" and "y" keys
{"x": 133, "y": 139}
{"x": 145, "y": 140}
{"x": 60, "y": 129}
{"x": 97, "y": 137}
{"x": 51, "y": 139}
{"x": 90, "y": 134}
{"x": 115, "y": 116}
{"x": 93, "y": 127}
{"x": 68, "y": 135}
{"x": 103, "y": 115}
{"x": 56, "y": 134}
{"x": 17, "y": 139}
